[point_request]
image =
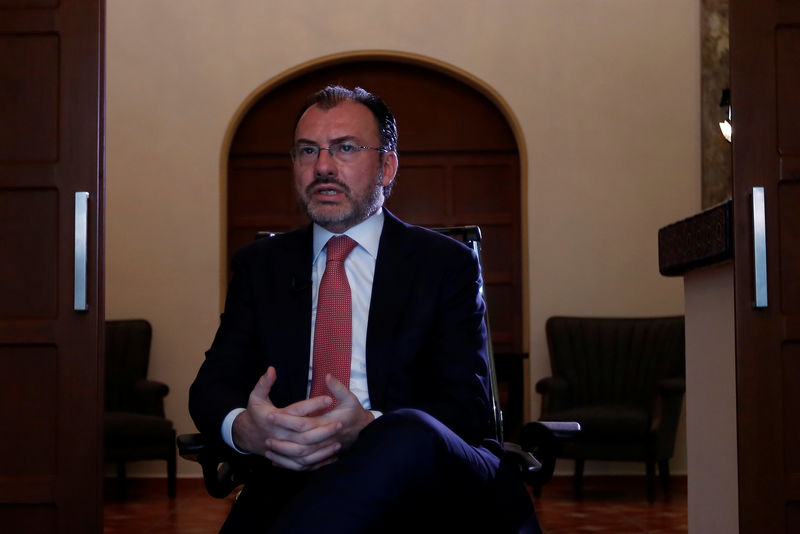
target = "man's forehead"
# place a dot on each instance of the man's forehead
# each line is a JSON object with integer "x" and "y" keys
{"x": 346, "y": 115}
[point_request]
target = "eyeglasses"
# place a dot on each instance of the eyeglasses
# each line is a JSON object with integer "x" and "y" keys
{"x": 344, "y": 152}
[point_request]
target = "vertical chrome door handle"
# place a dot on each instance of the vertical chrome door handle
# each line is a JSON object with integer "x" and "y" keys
{"x": 81, "y": 234}
{"x": 759, "y": 247}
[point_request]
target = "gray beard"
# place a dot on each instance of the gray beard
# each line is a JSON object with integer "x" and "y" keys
{"x": 360, "y": 210}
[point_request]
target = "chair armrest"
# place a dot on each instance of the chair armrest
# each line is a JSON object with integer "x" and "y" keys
{"x": 666, "y": 413}
{"x": 148, "y": 397}
{"x": 562, "y": 429}
{"x": 223, "y": 468}
{"x": 541, "y": 440}
{"x": 527, "y": 462}
{"x": 191, "y": 446}
{"x": 668, "y": 401}
{"x": 669, "y": 386}
{"x": 555, "y": 394}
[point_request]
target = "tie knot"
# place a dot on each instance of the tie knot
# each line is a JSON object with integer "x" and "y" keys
{"x": 339, "y": 247}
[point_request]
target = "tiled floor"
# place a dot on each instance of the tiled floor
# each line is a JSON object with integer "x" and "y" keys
{"x": 610, "y": 505}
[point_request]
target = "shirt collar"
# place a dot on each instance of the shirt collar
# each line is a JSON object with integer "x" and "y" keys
{"x": 367, "y": 234}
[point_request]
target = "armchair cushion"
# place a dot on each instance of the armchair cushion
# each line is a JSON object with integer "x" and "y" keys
{"x": 622, "y": 379}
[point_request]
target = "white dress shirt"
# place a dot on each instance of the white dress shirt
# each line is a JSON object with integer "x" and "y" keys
{"x": 360, "y": 270}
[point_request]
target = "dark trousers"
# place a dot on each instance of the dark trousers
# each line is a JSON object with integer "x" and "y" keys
{"x": 407, "y": 472}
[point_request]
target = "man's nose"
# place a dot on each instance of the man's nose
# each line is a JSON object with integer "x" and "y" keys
{"x": 325, "y": 164}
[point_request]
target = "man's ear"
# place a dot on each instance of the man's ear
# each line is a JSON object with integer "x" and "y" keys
{"x": 389, "y": 167}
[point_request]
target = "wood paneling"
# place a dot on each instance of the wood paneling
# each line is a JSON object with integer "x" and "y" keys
{"x": 50, "y": 148}
{"x": 459, "y": 165}
{"x": 765, "y": 43}
{"x": 29, "y": 290}
{"x": 787, "y": 79}
{"x": 33, "y": 453}
{"x": 31, "y": 79}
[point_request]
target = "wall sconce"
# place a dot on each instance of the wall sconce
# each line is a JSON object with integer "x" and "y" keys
{"x": 725, "y": 124}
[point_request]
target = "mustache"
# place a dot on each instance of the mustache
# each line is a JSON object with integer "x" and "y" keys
{"x": 324, "y": 180}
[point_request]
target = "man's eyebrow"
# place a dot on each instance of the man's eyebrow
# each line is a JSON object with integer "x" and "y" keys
{"x": 343, "y": 139}
{"x": 332, "y": 142}
{"x": 305, "y": 142}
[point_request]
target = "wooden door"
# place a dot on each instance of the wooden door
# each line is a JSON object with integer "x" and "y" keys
{"x": 459, "y": 165}
{"x": 50, "y": 149}
{"x": 765, "y": 92}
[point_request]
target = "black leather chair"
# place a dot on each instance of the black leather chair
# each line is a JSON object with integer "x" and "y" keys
{"x": 134, "y": 424}
{"x": 623, "y": 380}
{"x": 224, "y": 470}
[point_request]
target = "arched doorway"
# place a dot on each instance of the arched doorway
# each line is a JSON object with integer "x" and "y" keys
{"x": 459, "y": 164}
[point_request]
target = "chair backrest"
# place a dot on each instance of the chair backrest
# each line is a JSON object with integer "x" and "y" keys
{"x": 615, "y": 360}
{"x": 126, "y": 361}
{"x": 471, "y": 236}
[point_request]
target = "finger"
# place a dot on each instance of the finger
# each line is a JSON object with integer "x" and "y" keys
{"x": 308, "y": 406}
{"x": 292, "y": 449}
{"x": 292, "y": 423}
{"x": 303, "y": 430}
{"x": 300, "y": 424}
{"x": 309, "y": 462}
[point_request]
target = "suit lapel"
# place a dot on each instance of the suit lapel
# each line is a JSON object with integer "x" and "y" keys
{"x": 295, "y": 310}
{"x": 393, "y": 277}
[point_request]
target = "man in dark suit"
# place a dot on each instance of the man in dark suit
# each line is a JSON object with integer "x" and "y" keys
{"x": 406, "y": 433}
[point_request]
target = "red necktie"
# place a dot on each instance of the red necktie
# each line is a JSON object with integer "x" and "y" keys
{"x": 334, "y": 323}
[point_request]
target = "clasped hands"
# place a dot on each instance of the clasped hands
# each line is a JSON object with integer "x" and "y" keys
{"x": 293, "y": 438}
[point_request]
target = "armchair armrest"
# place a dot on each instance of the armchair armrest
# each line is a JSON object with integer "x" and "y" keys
{"x": 191, "y": 446}
{"x": 555, "y": 393}
{"x": 148, "y": 397}
{"x": 221, "y": 471}
{"x": 671, "y": 386}
{"x": 528, "y": 464}
{"x": 666, "y": 413}
{"x": 540, "y": 440}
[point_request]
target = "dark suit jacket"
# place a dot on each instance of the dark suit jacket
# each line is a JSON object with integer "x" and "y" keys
{"x": 426, "y": 339}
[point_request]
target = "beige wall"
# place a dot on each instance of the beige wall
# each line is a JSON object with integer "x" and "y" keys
{"x": 605, "y": 95}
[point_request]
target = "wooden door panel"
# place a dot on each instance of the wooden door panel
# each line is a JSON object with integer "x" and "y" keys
{"x": 485, "y": 189}
{"x": 32, "y": 519}
{"x": 787, "y": 183}
{"x": 50, "y": 367}
{"x": 789, "y": 235}
{"x": 29, "y": 228}
{"x": 32, "y": 454}
{"x": 787, "y": 79}
{"x": 30, "y": 126}
{"x": 501, "y": 258}
{"x": 420, "y": 192}
{"x": 260, "y": 197}
{"x": 765, "y": 43}
{"x": 791, "y": 443}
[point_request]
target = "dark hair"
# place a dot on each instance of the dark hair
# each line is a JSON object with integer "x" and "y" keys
{"x": 334, "y": 95}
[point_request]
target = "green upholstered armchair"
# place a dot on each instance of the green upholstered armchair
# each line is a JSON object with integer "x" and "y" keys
{"x": 134, "y": 424}
{"x": 623, "y": 380}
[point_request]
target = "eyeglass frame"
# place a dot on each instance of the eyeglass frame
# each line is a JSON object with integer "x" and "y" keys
{"x": 330, "y": 148}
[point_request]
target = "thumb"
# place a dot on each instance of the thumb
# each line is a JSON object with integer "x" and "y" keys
{"x": 339, "y": 390}
{"x": 264, "y": 385}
